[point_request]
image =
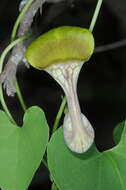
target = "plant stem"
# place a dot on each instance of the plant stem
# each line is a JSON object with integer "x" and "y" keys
{"x": 5, "y": 106}
{"x": 111, "y": 46}
{"x": 95, "y": 15}
{"x": 20, "y": 17}
{"x": 13, "y": 35}
{"x": 5, "y": 52}
{"x": 20, "y": 97}
{"x": 59, "y": 114}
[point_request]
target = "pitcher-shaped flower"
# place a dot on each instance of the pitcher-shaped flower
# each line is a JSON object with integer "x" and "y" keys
{"x": 62, "y": 52}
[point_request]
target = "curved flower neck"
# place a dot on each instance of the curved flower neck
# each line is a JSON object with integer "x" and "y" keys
{"x": 78, "y": 132}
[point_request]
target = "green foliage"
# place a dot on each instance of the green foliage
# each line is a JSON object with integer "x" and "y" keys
{"x": 21, "y": 149}
{"x": 93, "y": 169}
{"x": 59, "y": 45}
{"x": 118, "y": 131}
{"x": 54, "y": 187}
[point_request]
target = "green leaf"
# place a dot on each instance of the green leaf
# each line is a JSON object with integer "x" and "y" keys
{"x": 21, "y": 149}
{"x": 70, "y": 171}
{"x": 118, "y": 132}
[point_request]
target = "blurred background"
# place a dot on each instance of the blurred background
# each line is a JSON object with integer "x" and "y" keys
{"x": 102, "y": 81}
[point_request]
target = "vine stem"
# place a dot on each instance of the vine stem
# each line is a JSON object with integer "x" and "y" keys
{"x": 63, "y": 103}
{"x": 20, "y": 97}
{"x": 95, "y": 15}
{"x": 20, "y": 17}
{"x": 13, "y": 35}
{"x": 59, "y": 114}
{"x": 5, "y": 52}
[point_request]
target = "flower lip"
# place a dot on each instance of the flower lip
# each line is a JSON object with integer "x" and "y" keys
{"x": 61, "y": 44}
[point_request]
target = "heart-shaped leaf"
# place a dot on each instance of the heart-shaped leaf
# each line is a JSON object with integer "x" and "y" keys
{"x": 91, "y": 170}
{"x": 21, "y": 149}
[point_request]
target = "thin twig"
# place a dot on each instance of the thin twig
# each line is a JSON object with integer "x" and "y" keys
{"x": 95, "y": 16}
{"x": 59, "y": 114}
{"x": 111, "y": 46}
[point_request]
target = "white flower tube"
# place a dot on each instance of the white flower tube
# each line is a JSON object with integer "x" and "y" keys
{"x": 78, "y": 132}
